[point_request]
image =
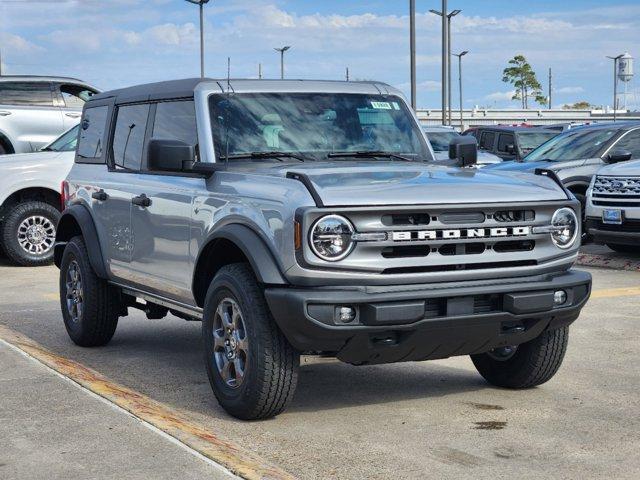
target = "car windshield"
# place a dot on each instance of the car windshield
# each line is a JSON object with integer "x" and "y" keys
{"x": 314, "y": 125}
{"x": 66, "y": 142}
{"x": 440, "y": 140}
{"x": 573, "y": 145}
{"x": 529, "y": 141}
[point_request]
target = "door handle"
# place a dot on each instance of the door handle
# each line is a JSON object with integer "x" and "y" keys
{"x": 101, "y": 196}
{"x": 73, "y": 115}
{"x": 4, "y": 113}
{"x": 141, "y": 201}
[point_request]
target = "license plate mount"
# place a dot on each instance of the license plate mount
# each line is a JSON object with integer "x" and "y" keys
{"x": 612, "y": 216}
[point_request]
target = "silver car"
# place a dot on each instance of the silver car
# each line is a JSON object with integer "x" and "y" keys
{"x": 440, "y": 138}
{"x": 36, "y": 110}
{"x": 296, "y": 217}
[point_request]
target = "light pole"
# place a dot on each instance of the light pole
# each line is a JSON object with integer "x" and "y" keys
{"x": 412, "y": 50}
{"x": 446, "y": 21}
{"x": 201, "y": 4}
{"x": 282, "y": 50}
{"x": 615, "y": 84}
{"x": 460, "y": 55}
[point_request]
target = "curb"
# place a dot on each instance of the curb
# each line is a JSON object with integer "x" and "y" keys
{"x": 606, "y": 261}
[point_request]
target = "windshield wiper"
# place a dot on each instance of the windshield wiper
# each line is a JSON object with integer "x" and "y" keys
{"x": 369, "y": 154}
{"x": 272, "y": 154}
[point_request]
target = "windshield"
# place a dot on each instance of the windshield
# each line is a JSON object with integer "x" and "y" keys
{"x": 314, "y": 124}
{"x": 573, "y": 145}
{"x": 529, "y": 141}
{"x": 65, "y": 142}
{"x": 440, "y": 140}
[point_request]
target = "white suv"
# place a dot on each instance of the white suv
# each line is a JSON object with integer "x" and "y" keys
{"x": 34, "y": 111}
{"x": 613, "y": 207}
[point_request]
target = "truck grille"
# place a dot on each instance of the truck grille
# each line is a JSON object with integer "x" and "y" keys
{"x": 445, "y": 238}
{"x": 616, "y": 187}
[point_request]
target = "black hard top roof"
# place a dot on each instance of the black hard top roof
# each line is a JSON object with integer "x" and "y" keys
{"x": 154, "y": 91}
{"x": 510, "y": 128}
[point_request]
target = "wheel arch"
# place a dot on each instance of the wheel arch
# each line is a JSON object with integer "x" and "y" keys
{"x": 77, "y": 221}
{"x": 234, "y": 243}
{"x": 44, "y": 194}
{"x": 6, "y": 142}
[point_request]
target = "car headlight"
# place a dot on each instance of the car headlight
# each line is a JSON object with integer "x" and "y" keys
{"x": 330, "y": 238}
{"x": 564, "y": 227}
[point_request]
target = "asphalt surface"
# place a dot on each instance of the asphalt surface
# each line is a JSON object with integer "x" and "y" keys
{"x": 433, "y": 419}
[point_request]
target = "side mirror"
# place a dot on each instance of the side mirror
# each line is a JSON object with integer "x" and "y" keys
{"x": 169, "y": 155}
{"x": 618, "y": 156}
{"x": 510, "y": 149}
{"x": 464, "y": 149}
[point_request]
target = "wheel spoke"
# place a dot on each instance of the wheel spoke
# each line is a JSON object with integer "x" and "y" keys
{"x": 238, "y": 367}
{"x": 218, "y": 340}
{"x": 225, "y": 371}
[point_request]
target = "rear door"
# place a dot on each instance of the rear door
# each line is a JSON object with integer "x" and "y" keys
{"x": 29, "y": 115}
{"x": 160, "y": 259}
{"x": 487, "y": 140}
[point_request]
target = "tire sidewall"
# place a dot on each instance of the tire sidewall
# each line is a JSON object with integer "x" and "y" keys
{"x": 10, "y": 232}
{"x": 225, "y": 286}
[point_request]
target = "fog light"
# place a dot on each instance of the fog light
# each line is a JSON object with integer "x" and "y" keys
{"x": 346, "y": 314}
{"x": 559, "y": 297}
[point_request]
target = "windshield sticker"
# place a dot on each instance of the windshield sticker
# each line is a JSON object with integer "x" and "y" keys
{"x": 396, "y": 106}
{"x": 381, "y": 105}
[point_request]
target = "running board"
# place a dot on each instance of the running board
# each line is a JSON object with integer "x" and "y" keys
{"x": 163, "y": 302}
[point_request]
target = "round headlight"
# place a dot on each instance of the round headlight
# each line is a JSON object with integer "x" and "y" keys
{"x": 330, "y": 238}
{"x": 565, "y": 227}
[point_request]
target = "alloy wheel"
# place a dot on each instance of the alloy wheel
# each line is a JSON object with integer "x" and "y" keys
{"x": 36, "y": 235}
{"x": 230, "y": 343}
{"x": 75, "y": 292}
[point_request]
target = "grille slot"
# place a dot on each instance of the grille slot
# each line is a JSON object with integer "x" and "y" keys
{"x": 457, "y": 218}
{"x": 406, "y": 251}
{"x": 457, "y": 267}
{"x": 406, "y": 219}
{"x": 462, "y": 249}
{"x": 514, "y": 216}
{"x": 514, "y": 246}
{"x": 435, "y": 307}
{"x": 487, "y": 303}
{"x": 601, "y": 203}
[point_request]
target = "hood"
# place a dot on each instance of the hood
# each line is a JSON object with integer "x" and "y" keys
{"x": 622, "y": 169}
{"x": 395, "y": 183}
{"x": 32, "y": 160}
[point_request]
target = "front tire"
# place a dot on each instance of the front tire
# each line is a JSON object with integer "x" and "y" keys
{"x": 90, "y": 306}
{"x": 530, "y": 364}
{"x": 252, "y": 368}
{"x": 29, "y": 232}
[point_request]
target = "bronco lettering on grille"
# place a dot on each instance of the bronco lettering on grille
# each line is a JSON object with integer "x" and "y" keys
{"x": 497, "y": 232}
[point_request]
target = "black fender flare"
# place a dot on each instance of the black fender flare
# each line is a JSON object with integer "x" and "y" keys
{"x": 254, "y": 248}
{"x": 73, "y": 217}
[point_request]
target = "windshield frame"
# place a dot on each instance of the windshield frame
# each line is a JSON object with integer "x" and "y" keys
{"x": 425, "y": 156}
{"x": 575, "y": 133}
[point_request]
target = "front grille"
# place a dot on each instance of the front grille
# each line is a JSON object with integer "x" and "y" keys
{"x": 631, "y": 226}
{"x": 607, "y": 203}
{"x": 616, "y": 187}
{"x": 445, "y": 239}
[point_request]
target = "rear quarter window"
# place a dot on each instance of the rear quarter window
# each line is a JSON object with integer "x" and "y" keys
{"x": 92, "y": 135}
{"x": 26, "y": 93}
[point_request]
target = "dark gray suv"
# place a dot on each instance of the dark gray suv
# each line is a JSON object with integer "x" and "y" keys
{"x": 305, "y": 217}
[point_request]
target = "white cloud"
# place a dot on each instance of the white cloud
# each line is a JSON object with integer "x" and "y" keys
{"x": 500, "y": 96}
{"x": 568, "y": 90}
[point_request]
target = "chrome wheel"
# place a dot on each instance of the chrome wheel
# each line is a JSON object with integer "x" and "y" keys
{"x": 75, "y": 292}
{"x": 230, "y": 344}
{"x": 36, "y": 235}
{"x": 502, "y": 354}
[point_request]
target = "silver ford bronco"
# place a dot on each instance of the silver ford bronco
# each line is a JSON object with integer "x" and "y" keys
{"x": 306, "y": 217}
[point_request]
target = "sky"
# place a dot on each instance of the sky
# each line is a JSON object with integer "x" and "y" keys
{"x": 117, "y": 43}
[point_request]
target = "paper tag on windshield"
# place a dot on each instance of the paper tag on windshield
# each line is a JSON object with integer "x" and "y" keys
{"x": 381, "y": 105}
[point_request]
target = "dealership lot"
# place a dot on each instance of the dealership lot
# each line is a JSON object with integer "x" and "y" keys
{"x": 401, "y": 420}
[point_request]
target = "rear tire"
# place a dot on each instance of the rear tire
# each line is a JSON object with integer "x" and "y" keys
{"x": 533, "y": 363}
{"x": 90, "y": 306}
{"x": 252, "y": 368}
{"x": 623, "y": 248}
{"x": 29, "y": 232}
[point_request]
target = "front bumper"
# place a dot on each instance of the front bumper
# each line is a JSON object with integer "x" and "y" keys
{"x": 626, "y": 234}
{"x": 419, "y": 322}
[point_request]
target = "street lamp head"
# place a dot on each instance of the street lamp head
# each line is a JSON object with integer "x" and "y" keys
{"x": 283, "y": 49}
{"x": 435, "y": 12}
{"x": 454, "y": 13}
{"x": 616, "y": 58}
{"x": 198, "y": 2}
{"x": 462, "y": 54}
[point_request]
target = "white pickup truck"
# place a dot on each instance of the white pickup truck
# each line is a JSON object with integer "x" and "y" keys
{"x": 30, "y": 200}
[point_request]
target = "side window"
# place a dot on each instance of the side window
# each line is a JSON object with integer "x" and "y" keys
{"x": 631, "y": 142}
{"x": 92, "y": 127}
{"x": 503, "y": 141}
{"x": 176, "y": 121}
{"x": 75, "y": 96}
{"x": 486, "y": 140}
{"x": 26, "y": 93}
{"x": 128, "y": 138}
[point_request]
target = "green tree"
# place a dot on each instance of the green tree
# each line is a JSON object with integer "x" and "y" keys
{"x": 581, "y": 105}
{"x": 520, "y": 74}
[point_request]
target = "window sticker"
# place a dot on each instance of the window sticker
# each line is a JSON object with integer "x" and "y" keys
{"x": 381, "y": 105}
{"x": 396, "y": 106}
